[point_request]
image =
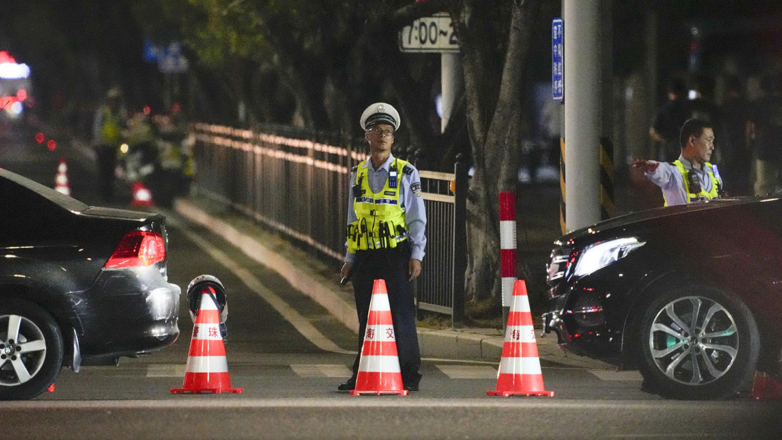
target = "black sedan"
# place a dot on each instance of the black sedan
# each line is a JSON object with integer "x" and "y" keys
{"x": 689, "y": 295}
{"x": 76, "y": 282}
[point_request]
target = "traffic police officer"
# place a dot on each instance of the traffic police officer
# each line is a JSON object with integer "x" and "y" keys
{"x": 107, "y": 135}
{"x": 385, "y": 237}
{"x": 691, "y": 177}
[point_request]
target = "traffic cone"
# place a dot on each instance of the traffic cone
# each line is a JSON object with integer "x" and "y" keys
{"x": 519, "y": 371}
{"x": 61, "y": 184}
{"x": 765, "y": 387}
{"x": 378, "y": 369}
{"x": 207, "y": 366}
{"x": 142, "y": 196}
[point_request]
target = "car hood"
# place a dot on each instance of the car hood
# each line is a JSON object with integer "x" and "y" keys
{"x": 120, "y": 214}
{"x": 601, "y": 229}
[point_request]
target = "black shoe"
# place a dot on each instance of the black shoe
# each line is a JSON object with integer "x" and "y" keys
{"x": 411, "y": 387}
{"x": 349, "y": 385}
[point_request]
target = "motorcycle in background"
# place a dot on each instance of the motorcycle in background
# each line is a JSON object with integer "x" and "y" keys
{"x": 158, "y": 155}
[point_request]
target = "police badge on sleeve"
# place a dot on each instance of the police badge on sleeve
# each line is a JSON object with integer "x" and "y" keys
{"x": 416, "y": 188}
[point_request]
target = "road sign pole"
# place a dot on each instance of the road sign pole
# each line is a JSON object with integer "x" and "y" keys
{"x": 436, "y": 34}
{"x": 451, "y": 83}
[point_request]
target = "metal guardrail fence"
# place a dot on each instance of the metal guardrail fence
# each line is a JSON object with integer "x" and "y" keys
{"x": 299, "y": 187}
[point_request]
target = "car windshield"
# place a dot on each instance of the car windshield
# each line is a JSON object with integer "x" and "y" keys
{"x": 61, "y": 200}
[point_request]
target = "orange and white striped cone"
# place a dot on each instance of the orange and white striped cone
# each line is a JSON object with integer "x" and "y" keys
{"x": 520, "y": 372}
{"x": 378, "y": 368}
{"x": 61, "y": 184}
{"x": 142, "y": 196}
{"x": 207, "y": 366}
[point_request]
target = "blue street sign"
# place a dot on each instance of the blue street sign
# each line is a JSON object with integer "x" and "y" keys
{"x": 151, "y": 51}
{"x": 557, "y": 60}
{"x": 172, "y": 60}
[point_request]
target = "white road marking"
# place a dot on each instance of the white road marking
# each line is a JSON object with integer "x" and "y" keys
{"x": 609, "y": 375}
{"x": 321, "y": 370}
{"x": 239, "y": 401}
{"x": 165, "y": 370}
{"x": 468, "y": 371}
{"x": 299, "y": 322}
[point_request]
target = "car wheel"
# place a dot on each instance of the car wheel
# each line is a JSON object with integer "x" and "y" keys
{"x": 31, "y": 350}
{"x": 698, "y": 343}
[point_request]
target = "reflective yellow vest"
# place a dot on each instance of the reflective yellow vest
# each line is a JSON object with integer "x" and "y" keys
{"x": 111, "y": 130}
{"x": 703, "y": 194}
{"x": 381, "y": 219}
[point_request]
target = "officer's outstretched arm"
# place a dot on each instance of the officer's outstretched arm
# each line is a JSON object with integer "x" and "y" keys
{"x": 645, "y": 165}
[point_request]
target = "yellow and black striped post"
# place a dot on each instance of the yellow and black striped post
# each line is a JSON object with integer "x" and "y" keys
{"x": 562, "y": 220}
{"x": 607, "y": 208}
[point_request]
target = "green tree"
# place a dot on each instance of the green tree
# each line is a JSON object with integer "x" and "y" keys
{"x": 332, "y": 57}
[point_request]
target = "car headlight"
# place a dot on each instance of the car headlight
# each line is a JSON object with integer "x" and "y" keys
{"x": 600, "y": 255}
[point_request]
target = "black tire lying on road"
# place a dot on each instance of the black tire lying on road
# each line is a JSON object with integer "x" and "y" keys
{"x": 31, "y": 350}
{"x": 710, "y": 356}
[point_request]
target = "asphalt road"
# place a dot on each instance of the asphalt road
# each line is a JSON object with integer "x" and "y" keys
{"x": 288, "y": 355}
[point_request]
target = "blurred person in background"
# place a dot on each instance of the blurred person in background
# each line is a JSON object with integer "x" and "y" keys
{"x": 704, "y": 107}
{"x": 107, "y": 135}
{"x": 737, "y": 150}
{"x": 767, "y": 129}
{"x": 669, "y": 119}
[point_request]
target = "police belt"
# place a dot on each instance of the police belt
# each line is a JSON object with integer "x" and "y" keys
{"x": 381, "y": 240}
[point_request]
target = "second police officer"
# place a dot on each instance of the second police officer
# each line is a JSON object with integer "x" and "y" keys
{"x": 691, "y": 177}
{"x": 386, "y": 222}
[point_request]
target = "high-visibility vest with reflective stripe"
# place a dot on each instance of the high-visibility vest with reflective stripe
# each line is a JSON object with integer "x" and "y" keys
{"x": 111, "y": 130}
{"x": 703, "y": 194}
{"x": 381, "y": 219}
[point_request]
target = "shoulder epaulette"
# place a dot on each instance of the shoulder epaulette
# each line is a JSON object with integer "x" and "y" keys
{"x": 408, "y": 169}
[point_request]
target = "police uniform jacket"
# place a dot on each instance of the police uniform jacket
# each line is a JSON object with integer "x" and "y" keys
{"x": 671, "y": 181}
{"x": 410, "y": 198}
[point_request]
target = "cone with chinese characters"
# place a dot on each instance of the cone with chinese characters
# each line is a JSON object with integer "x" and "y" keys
{"x": 207, "y": 366}
{"x": 378, "y": 369}
{"x": 765, "y": 387}
{"x": 520, "y": 372}
{"x": 61, "y": 184}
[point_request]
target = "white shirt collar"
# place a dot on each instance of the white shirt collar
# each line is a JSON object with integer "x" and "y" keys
{"x": 688, "y": 165}
{"x": 386, "y": 165}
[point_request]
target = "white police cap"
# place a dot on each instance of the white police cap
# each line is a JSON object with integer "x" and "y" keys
{"x": 380, "y": 113}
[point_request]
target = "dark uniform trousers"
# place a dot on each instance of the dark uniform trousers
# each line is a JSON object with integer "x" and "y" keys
{"x": 391, "y": 265}
{"x": 107, "y": 160}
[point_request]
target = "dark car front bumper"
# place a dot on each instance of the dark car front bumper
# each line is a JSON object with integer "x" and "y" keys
{"x": 552, "y": 322}
{"x": 127, "y": 312}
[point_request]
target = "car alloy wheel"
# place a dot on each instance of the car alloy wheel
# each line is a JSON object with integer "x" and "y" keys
{"x": 31, "y": 349}
{"x": 697, "y": 343}
{"x": 22, "y": 350}
{"x": 694, "y": 340}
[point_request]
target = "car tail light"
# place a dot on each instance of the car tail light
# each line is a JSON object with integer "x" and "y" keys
{"x": 138, "y": 248}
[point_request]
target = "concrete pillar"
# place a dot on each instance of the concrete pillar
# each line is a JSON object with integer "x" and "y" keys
{"x": 583, "y": 118}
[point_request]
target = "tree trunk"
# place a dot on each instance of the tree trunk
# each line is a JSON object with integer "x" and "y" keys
{"x": 493, "y": 121}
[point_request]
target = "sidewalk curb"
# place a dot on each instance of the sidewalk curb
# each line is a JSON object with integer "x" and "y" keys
{"x": 454, "y": 344}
